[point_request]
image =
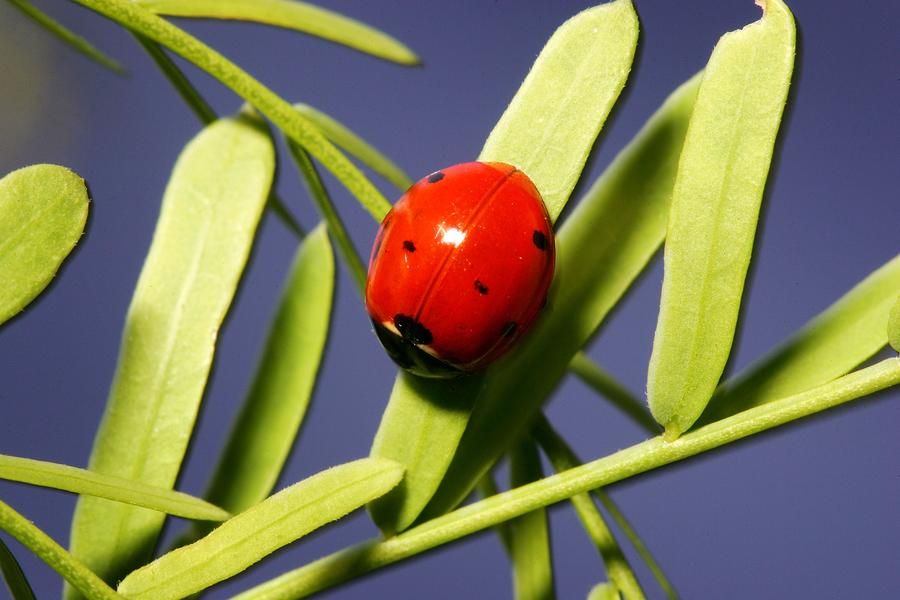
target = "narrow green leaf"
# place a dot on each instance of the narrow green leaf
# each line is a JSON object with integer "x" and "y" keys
{"x": 273, "y": 411}
{"x": 715, "y": 207}
{"x": 844, "y": 335}
{"x": 298, "y": 16}
{"x": 563, "y": 458}
{"x": 550, "y": 126}
{"x": 262, "y": 529}
{"x": 43, "y": 211}
{"x": 420, "y": 429}
{"x": 367, "y": 154}
{"x": 82, "y": 481}
{"x": 487, "y": 487}
{"x": 646, "y": 456}
{"x": 604, "y": 591}
{"x": 282, "y": 114}
{"x": 209, "y": 216}
{"x": 73, "y": 571}
{"x": 590, "y": 43}
{"x": 530, "y": 533}
{"x": 602, "y": 248}
{"x": 69, "y": 37}
{"x": 894, "y": 325}
{"x": 16, "y": 582}
{"x": 322, "y": 199}
{"x": 605, "y": 384}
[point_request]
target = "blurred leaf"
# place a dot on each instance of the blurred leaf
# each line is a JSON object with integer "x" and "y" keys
{"x": 550, "y": 126}
{"x": 43, "y": 211}
{"x": 72, "y": 570}
{"x": 209, "y": 216}
{"x": 604, "y": 591}
{"x": 602, "y": 248}
{"x": 299, "y": 16}
{"x": 65, "y": 35}
{"x": 344, "y": 138}
{"x": 16, "y": 582}
{"x": 530, "y": 534}
{"x": 830, "y": 345}
{"x": 276, "y": 404}
{"x": 715, "y": 207}
{"x": 282, "y": 114}
{"x": 262, "y": 529}
{"x": 640, "y": 458}
{"x": 82, "y": 481}
{"x": 605, "y": 384}
{"x": 322, "y": 199}
{"x": 894, "y": 325}
{"x": 563, "y": 458}
{"x": 601, "y": 43}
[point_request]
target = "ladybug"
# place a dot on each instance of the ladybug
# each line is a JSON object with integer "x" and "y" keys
{"x": 460, "y": 268}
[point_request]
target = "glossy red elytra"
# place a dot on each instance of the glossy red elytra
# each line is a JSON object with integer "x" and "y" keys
{"x": 460, "y": 268}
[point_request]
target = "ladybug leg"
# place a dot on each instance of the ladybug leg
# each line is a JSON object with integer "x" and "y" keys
{"x": 404, "y": 351}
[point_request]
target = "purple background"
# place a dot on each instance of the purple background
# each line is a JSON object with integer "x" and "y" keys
{"x": 808, "y": 511}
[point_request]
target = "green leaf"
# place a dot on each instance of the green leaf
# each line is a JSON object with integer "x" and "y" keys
{"x": 715, "y": 207}
{"x": 43, "y": 211}
{"x": 844, "y": 335}
{"x": 282, "y": 114}
{"x": 443, "y": 405}
{"x": 209, "y": 216}
{"x": 16, "y": 582}
{"x": 894, "y": 325}
{"x": 420, "y": 429}
{"x": 530, "y": 533}
{"x": 605, "y": 384}
{"x": 368, "y": 155}
{"x": 646, "y": 456}
{"x": 299, "y": 16}
{"x": 82, "y": 481}
{"x": 273, "y": 411}
{"x": 551, "y": 124}
{"x": 322, "y": 199}
{"x": 602, "y": 248}
{"x": 262, "y": 529}
{"x": 604, "y": 591}
{"x": 72, "y": 570}
{"x": 68, "y": 37}
{"x": 563, "y": 458}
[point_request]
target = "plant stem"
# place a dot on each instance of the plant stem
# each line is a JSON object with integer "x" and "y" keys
{"x": 606, "y": 385}
{"x": 640, "y": 458}
{"x": 279, "y": 111}
{"x": 563, "y": 459}
{"x": 73, "y": 570}
{"x": 207, "y": 115}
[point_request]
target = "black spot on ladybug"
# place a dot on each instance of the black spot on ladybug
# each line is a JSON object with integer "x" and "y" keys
{"x": 435, "y": 177}
{"x": 409, "y": 246}
{"x": 411, "y": 330}
{"x": 539, "y": 239}
{"x": 544, "y": 302}
{"x": 510, "y": 328}
{"x": 482, "y": 289}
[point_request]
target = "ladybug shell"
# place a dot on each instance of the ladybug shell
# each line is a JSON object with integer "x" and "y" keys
{"x": 460, "y": 268}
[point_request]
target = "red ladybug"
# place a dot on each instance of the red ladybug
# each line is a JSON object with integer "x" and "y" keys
{"x": 460, "y": 268}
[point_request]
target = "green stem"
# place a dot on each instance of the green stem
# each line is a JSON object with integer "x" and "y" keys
{"x": 54, "y": 555}
{"x": 16, "y": 582}
{"x": 563, "y": 458}
{"x": 207, "y": 115}
{"x": 642, "y": 550}
{"x": 280, "y": 112}
{"x": 487, "y": 487}
{"x": 607, "y": 386}
{"x": 336, "y": 227}
{"x": 640, "y": 458}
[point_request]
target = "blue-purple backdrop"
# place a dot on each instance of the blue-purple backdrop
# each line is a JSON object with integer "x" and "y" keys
{"x": 809, "y": 511}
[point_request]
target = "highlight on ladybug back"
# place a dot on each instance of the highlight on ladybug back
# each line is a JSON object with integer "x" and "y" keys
{"x": 460, "y": 269}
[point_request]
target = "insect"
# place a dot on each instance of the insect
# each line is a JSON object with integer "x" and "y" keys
{"x": 460, "y": 268}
